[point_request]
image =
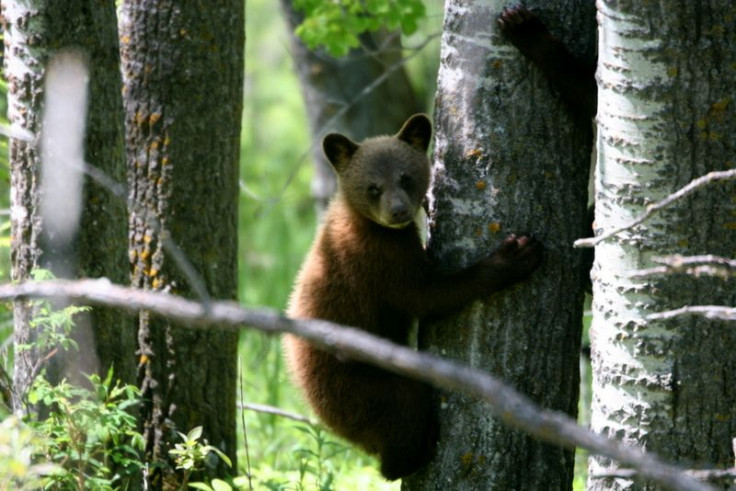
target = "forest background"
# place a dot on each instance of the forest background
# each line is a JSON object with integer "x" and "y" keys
{"x": 278, "y": 219}
{"x": 277, "y": 223}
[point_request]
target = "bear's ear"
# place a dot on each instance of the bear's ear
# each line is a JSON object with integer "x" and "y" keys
{"x": 417, "y": 132}
{"x": 339, "y": 149}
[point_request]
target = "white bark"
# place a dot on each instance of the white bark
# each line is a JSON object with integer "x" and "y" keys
{"x": 665, "y": 94}
{"x": 36, "y": 31}
{"x": 24, "y": 75}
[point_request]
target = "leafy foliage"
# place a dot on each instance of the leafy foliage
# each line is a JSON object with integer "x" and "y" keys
{"x": 337, "y": 24}
{"x": 317, "y": 461}
{"x": 190, "y": 455}
{"x": 88, "y": 432}
{"x": 17, "y": 467}
{"x": 72, "y": 437}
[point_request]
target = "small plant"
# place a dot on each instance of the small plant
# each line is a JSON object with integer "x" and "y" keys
{"x": 316, "y": 461}
{"x": 74, "y": 437}
{"x": 89, "y": 433}
{"x": 190, "y": 457}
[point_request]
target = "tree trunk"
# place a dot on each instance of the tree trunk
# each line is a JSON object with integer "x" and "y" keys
{"x": 335, "y": 97}
{"x": 666, "y": 116}
{"x": 183, "y": 76}
{"x": 35, "y": 30}
{"x": 508, "y": 159}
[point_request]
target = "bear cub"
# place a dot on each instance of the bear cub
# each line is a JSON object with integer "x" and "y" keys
{"x": 368, "y": 268}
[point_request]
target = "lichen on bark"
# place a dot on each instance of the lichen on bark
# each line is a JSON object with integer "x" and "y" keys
{"x": 508, "y": 159}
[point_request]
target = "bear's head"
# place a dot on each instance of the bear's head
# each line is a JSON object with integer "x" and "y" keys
{"x": 384, "y": 178}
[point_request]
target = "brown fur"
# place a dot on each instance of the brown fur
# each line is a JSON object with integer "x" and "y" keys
{"x": 367, "y": 268}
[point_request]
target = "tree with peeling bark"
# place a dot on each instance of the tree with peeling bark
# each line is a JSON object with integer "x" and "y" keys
{"x": 34, "y": 32}
{"x": 666, "y": 116}
{"x": 183, "y": 80}
{"x": 362, "y": 94}
{"x": 510, "y": 157}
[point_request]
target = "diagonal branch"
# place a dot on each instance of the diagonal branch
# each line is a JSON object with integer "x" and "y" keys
{"x": 691, "y": 187}
{"x": 505, "y": 402}
{"x": 707, "y": 265}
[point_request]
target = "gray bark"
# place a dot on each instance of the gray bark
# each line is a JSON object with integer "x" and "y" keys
{"x": 183, "y": 75}
{"x": 36, "y": 30}
{"x": 508, "y": 159}
{"x": 337, "y": 97}
{"x": 666, "y": 116}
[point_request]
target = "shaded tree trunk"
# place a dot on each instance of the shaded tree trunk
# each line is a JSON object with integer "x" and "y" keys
{"x": 35, "y": 30}
{"x": 343, "y": 93}
{"x": 183, "y": 77}
{"x": 508, "y": 159}
{"x": 666, "y": 116}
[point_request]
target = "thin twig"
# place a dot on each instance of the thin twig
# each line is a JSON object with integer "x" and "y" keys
{"x": 248, "y": 471}
{"x": 712, "y": 312}
{"x": 505, "y": 402}
{"x": 706, "y": 265}
{"x": 700, "y": 474}
{"x": 694, "y": 185}
{"x": 262, "y": 408}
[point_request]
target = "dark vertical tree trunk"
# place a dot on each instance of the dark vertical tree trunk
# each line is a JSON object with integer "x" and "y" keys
{"x": 344, "y": 94}
{"x": 666, "y": 116}
{"x": 35, "y": 31}
{"x": 508, "y": 159}
{"x": 183, "y": 77}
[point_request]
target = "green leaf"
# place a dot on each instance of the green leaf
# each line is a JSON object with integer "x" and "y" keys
{"x": 241, "y": 481}
{"x": 220, "y": 485}
{"x": 200, "y": 485}
{"x": 336, "y": 25}
{"x": 220, "y": 454}
{"x": 194, "y": 434}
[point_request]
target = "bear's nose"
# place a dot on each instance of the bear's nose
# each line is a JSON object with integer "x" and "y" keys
{"x": 400, "y": 213}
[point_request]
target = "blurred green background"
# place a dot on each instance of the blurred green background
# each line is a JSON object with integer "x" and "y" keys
{"x": 277, "y": 224}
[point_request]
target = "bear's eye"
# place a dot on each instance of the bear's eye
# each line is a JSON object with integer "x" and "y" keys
{"x": 374, "y": 191}
{"x": 406, "y": 182}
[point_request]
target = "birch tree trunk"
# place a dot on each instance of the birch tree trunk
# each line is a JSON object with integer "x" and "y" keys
{"x": 666, "y": 116}
{"x": 183, "y": 75}
{"x": 334, "y": 95}
{"x": 508, "y": 159}
{"x": 35, "y": 31}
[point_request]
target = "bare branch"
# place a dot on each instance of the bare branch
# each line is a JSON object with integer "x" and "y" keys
{"x": 694, "y": 185}
{"x": 262, "y": 408}
{"x": 700, "y": 474}
{"x": 712, "y": 312}
{"x": 505, "y": 402}
{"x": 707, "y": 265}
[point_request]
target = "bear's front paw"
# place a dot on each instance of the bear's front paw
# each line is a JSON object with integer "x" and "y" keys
{"x": 517, "y": 256}
{"x": 522, "y": 27}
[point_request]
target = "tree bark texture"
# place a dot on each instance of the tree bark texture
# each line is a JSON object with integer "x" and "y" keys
{"x": 183, "y": 75}
{"x": 341, "y": 94}
{"x": 35, "y": 31}
{"x": 667, "y": 73}
{"x": 508, "y": 159}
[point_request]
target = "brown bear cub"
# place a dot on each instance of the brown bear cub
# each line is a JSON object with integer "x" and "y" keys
{"x": 367, "y": 268}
